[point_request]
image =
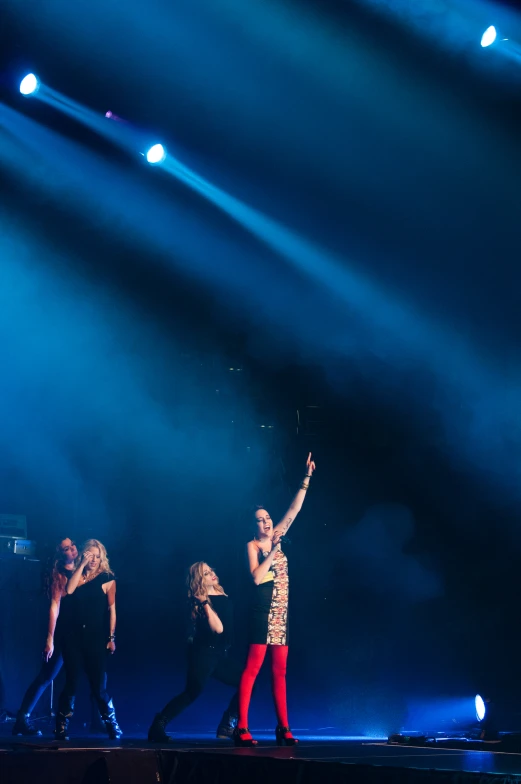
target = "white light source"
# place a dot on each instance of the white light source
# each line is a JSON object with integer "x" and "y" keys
{"x": 156, "y": 154}
{"x": 489, "y": 36}
{"x": 480, "y": 707}
{"x": 29, "y": 84}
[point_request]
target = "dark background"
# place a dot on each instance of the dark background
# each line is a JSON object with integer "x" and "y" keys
{"x": 162, "y": 368}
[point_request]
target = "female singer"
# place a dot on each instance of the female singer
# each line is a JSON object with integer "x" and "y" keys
{"x": 55, "y": 585}
{"x": 269, "y": 615}
{"x": 212, "y": 636}
{"x": 90, "y": 632}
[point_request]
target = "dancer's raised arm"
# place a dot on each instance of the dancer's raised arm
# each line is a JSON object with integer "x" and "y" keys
{"x": 296, "y": 505}
{"x": 78, "y": 572}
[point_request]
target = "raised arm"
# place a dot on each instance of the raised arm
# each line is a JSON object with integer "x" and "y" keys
{"x": 76, "y": 575}
{"x": 214, "y": 622}
{"x": 296, "y": 505}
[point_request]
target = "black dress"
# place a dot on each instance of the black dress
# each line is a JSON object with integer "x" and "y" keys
{"x": 84, "y": 643}
{"x": 269, "y": 608}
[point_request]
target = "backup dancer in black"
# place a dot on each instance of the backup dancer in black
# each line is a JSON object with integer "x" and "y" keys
{"x": 55, "y": 584}
{"x": 208, "y": 645}
{"x": 88, "y": 635}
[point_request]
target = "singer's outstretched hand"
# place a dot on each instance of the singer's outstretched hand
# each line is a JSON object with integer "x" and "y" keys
{"x": 310, "y": 465}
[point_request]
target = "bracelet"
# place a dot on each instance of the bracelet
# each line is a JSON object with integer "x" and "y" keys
{"x": 112, "y": 638}
{"x": 202, "y": 604}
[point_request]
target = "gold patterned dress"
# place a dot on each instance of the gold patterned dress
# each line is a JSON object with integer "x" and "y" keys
{"x": 269, "y": 609}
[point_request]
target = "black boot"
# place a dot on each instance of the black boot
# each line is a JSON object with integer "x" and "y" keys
{"x": 156, "y": 733}
{"x": 227, "y": 725}
{"x": 108, "y": 714}
{"x": 62, "y": 724}
{"x": 23, "y": 726}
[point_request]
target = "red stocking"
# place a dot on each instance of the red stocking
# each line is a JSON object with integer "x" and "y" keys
{"x": 279, "y": 657}
{"x": 256, "y": 654}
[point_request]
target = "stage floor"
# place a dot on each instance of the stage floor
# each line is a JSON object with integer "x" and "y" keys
{"x": 192, "y": 758}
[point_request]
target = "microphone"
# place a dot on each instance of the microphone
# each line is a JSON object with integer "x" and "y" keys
{"x": 285, "y": 539}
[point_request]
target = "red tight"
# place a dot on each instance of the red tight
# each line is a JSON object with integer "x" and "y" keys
{"x": 279, "y": 657}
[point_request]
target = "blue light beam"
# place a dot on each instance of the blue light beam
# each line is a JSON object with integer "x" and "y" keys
{"x": 397, "y": 331}
{"x": 120, "y": 133}
{"x": 508, "y": 48}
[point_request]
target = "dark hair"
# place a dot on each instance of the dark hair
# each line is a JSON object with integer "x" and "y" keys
{"x": 256, "y": 508}
{"x": 54, "y": 577}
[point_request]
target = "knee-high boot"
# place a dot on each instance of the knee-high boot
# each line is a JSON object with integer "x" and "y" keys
{"x": 108, "y": 715}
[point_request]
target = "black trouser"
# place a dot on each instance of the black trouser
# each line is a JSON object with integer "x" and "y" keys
{"x": 81, "y": 654}
{"x": 205, "y": 662}
{"x": 49, "y": 671}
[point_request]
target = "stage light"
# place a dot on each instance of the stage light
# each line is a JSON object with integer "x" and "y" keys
{"x": 481, "y": 710}
{"x": 489, "y": 36}
{"x": 486, "y": 713}
{"x": 156, "y": 154}
{"x": 29, "y": 84}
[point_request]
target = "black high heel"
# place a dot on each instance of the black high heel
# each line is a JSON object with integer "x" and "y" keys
{"x": 281, "y": 735}
{"x": 239, "y": 740}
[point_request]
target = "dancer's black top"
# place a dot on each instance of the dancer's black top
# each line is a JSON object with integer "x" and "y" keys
{"x": 87, "y": 609}
{"x": 203, "y": 635}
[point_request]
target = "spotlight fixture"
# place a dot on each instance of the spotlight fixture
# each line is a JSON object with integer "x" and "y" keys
{"x": 481, "y": 709}
{"x": 111, "y": 116}
{"x": 494, "y": 37}
{"x": 486, "y": 715}
{"x": 489, "y": 36}
{"x": 29, "y": 84}
{"x": 156, "y": 154}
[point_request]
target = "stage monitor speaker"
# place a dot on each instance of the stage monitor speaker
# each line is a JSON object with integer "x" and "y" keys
{"x": 14, "y": 526}
{"x": 10, "y": 546}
